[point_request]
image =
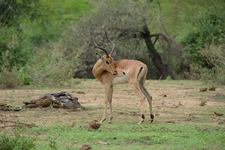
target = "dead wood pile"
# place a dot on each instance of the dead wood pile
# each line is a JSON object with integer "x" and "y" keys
{"x": 60, "y": 99}
{"x": 6, "y": 107}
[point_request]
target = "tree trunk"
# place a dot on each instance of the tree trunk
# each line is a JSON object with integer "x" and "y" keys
{"x": 156, "y": 58}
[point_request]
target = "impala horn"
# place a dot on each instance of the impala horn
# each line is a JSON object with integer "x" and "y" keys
{"x": 111, "y": 43}
{"x": 96, "y": 45}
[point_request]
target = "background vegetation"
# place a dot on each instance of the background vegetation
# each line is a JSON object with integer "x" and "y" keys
{"x": 49, "y": 42}
{"x": 46, "y": 42}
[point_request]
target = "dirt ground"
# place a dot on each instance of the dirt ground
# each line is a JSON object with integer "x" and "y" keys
{"x": 173, "y": 102}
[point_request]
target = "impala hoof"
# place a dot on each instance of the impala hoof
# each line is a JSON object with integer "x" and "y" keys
{"x": 152, "y": 118}
{"x": 110, "y": 120}
{"x": 140, "y": 122}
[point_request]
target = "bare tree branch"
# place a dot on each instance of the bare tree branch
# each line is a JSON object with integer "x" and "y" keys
{"x": 155, "y": 40}
{"x": 161, "y": 18}
{"x": 163, "y": 37}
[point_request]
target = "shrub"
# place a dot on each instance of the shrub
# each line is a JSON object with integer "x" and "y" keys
{"x": 17, "y": 141}
{"x": 9, "y": 79}
{"x": 206, "y": 27}
{"x": 168, "y": 78}
{"x": 214, "y": 55}
{"x": 203, "y": 102}
{"x": 49, "y": 66}
{"x": 14, "y": 46}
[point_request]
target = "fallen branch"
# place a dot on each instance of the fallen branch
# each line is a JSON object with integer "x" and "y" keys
{"x": 105, "y": 143}
{"x": 218, "y": 114}
{"x": 20, "y": 123}
{"x": 7, "y": 126}
{"x": 170, "y": 121}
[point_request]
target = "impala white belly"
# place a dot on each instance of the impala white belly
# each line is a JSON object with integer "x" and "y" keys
{"x": 119, "y": 80}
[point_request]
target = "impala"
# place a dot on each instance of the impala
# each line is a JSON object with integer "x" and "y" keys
{"x": 110, "y": 72}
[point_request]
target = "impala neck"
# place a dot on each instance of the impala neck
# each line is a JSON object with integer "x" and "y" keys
{"x": 98, "y": 70}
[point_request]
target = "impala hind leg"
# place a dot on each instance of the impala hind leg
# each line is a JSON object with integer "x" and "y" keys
{"x": 149, "y": 97}
{"x": 137, "y": 90}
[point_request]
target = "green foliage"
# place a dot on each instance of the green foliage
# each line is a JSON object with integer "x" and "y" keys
{"x": 168, "y": 78}
{"x": 205, "y": 27}
{"x": 13, "y": 42}
{"x": 14, "y": 47}
{"x": 203, "y": 102}
{"x": 49, "y": 67}
{"x": 9, "y": 79}
{"x": 28, "y": 23}
{"x": 17, "y": 141}
{"x": 214, "y": 55}
{"x": 14, "y": 12}
{"x": 8, "y": 76}
{"x": 27, "y": 81}
{"x": 57, "y": 15}
{"x": 180, "y": 104}
{"x": 67, "y": 10}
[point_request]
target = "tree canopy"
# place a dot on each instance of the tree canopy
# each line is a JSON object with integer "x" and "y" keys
{"x": 179, "y": 39}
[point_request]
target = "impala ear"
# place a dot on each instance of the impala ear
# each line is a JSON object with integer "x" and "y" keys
{"x": 113, "y": 54}
{"x": 98, "y": 56}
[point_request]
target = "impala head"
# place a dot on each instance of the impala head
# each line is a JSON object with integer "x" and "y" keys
{"x": 107, "y": 59}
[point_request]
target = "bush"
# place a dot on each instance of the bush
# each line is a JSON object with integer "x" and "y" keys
{"x": 49, "y": 66}
{"x": 206, "y": 27}
{"x": 168, "y": 78}
{"x": 9, "y": 79}
{"x": 16, "y": 142}
{"x": 14, "y": 46}
{"x": 8, "y": 76}
{"x": 203, "y": 102}
{"x": 214, "y": 55}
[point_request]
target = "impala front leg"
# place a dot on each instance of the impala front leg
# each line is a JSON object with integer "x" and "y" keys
{"x": 107, "y": 94}
{"x": 110, "y": 104}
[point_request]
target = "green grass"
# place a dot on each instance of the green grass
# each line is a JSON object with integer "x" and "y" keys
{"x": 132, "y": 136}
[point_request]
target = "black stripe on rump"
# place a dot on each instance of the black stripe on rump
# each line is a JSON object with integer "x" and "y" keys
{"x": 140, "y": 71}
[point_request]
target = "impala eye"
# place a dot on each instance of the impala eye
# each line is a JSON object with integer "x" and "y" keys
{"x": 107, "y": 62}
